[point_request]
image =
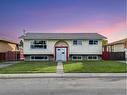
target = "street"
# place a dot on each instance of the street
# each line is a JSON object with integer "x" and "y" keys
{"x": 63, "y": 86}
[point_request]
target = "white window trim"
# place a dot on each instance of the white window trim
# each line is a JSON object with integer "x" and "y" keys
{"x": 76, "y": 44}
{"x": 93, "y": 42}
{"x": 39, "y": 59}
{"x": 97, "y": 58}
{"x": 77, "y": 59}
{"x": 31, "y": 43}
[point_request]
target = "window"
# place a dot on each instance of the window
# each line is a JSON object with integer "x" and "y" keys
{"x": 76, "y": 57}
{"x": 77, "y": 42}
{"x": 39, "y": 57}
{"x": 92, "y": 57}
{"x": 39, "y": 44}
{"x": 93, "y": 42}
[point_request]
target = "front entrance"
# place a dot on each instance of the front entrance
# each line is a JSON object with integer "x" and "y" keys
{"x": 61, "y": 54}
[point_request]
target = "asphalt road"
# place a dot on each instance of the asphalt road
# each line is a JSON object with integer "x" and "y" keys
{"x": 63, "y": 86}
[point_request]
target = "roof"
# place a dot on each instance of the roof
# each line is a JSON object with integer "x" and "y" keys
{"x": 63, "y": 36}
{"x": 119, "y": 42}
{"x": 7, "y": 40}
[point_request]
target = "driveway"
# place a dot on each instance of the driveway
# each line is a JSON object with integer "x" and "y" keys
{"x": 5, "y": 64}
{"x": 63, "y": 86}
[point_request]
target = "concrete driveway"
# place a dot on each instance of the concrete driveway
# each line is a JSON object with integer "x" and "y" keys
{"x": 5, "y": 64}
{"x": 63, "y": 86}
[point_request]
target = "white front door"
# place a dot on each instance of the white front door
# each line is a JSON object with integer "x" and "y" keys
{"x": 60, "y": 54}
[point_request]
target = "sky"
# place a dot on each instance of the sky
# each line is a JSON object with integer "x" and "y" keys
{"x": 106, "y": 17}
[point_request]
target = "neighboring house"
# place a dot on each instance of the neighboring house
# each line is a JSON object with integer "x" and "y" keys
{"x": 117, "y": 46}
{"x": 6, "y": 49}
{"x": 117, "y": 49}
{"x": 62, "y": 46}
{"x": 6, "y": 45}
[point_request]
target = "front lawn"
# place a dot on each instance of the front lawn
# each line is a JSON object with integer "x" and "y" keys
{"x": 30, "y": 67}
{"x": 95, "y": 67}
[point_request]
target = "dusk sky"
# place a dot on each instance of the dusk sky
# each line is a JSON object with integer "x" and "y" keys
{"x": 106, "y": 17}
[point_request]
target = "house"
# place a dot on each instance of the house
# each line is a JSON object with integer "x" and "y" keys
{"x": 117, "y": 46}
{"x": 117, "y": 50}
{"x": 8, "y": 49}
{"x": 62, "y": 46}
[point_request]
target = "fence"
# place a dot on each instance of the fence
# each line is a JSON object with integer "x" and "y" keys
{"x": 113, "y": 55}
{"x": 10, "y": 56}
{"x": 2, "y": 56}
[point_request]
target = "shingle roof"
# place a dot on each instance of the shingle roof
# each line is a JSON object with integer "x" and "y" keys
{"x": 3, "y": 39}
{"x": 119, "y": 42}
{"x": 63, "y": 36}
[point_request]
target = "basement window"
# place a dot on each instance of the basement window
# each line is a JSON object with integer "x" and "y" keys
{"x": 92, "y": 57}
{"x": 39, "y": 58}
{"x": 76, "y": 57}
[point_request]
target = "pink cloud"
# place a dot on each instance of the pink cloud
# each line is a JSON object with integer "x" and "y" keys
{"x": 100, "y": 26}
{"x": 119, "y": 26}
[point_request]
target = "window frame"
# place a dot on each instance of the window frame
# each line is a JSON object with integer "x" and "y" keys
{"x": 92, "y": 57}
{"x": 77, "y": 57}
{"x": 94, "y": 42}
{"x": 77, "y": 42}
{"x": 34, "y": 59}
{"x": 44, "y": 44}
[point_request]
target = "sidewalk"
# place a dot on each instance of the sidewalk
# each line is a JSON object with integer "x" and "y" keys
{"x": 64, "y": 75}
{"x": 123, "y": 61}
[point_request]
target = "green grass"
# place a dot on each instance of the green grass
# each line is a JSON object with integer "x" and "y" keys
{"x": 1, "y": 62}
{"x": 95, "y": 67}
{"x": 30, "y": 67}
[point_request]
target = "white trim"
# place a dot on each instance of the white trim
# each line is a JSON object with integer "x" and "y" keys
{"x": 93, "y": 42}
{"x": 31, "y": 43}
{"x": 77, "y": 57}
{"x": 77, "y": 42}
{"x": 92, "y": 57}
{"x": 39, "y": 59}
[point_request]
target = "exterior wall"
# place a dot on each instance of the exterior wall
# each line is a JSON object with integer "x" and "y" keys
{"x": 5, "y": 46}
{"x": 85, "y": 48}
{"x": 119, "y": 48}
{"x": 49, "y": 50}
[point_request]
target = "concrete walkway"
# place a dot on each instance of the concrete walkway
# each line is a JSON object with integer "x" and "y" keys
{"x": 8, "y": 63}
{"x": 59, "y": 67}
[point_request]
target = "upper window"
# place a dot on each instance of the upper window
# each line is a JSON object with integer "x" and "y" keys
{"x": 93, "y": 42}
{"x": 77, "y": 42}
{"x": 39, "y": 44}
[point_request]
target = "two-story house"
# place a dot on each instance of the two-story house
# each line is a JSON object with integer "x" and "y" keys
{"x": 62, "y": 46}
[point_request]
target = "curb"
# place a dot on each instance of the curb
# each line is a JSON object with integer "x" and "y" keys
{"x": 64, "y": 75}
